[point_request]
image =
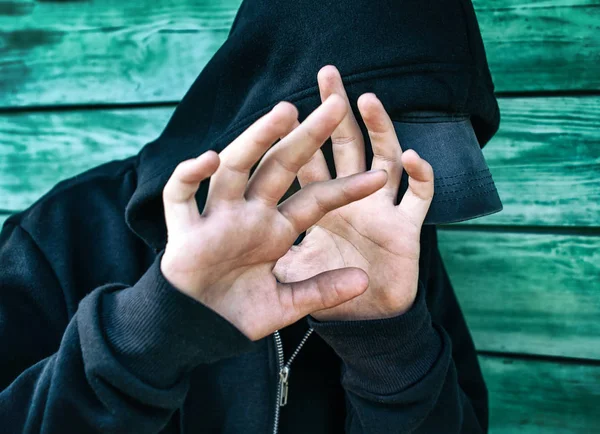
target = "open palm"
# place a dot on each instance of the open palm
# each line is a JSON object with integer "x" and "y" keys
{"x": 374, "y": 234}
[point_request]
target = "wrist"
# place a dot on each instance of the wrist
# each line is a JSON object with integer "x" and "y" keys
{"x": 400, "y": 303}
{"x": 201, "y": 293}
{"x": 387, "y": 303}
{"x": 154, "y": 330}
{"x": 181, "y": 279}
{"x": 168, "y": 270}
{"x": 384, "y": 356}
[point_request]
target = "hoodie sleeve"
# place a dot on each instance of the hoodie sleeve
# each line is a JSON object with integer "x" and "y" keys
{"x": 120, "y": 364}
{"x": 399, "y": 375}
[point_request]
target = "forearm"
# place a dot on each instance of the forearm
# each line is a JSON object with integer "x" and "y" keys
{"x": 433, "y": 405}
{"x": 399, "y": 376}
{"x": 123, "y": 361}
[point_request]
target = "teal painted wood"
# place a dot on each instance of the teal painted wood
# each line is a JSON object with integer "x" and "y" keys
{"x": 110, "y": 51}
{"x": 535, "y": 294}
{"x": 545, "y": 161}
{"x": 37, "y": 150}
{"x": 107, "y": 51}
{"x": 549, "y": 147}
{"x": 541, "y": 44}
{"x": 541, "y": 397}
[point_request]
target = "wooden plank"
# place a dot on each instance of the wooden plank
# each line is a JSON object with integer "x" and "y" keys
{"x": 535, "y": 45}
{"x": 548, "y": 147}
{"x": 541, "y": 397}
{"x": 39, "y": 149}
{"x": 545, "y": 161}
{"x": 109, "y": 51}
{"x": 527, "y": 293}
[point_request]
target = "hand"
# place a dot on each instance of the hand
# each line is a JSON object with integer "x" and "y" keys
{"x": 224, "y": 257}
{"x": 374, "y": 234}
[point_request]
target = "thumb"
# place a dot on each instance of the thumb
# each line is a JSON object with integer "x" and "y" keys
{"x": 325, "y": 290}
{"x": 284, "y": 265}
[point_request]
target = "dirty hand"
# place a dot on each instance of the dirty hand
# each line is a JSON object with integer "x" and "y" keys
{"x": 374, "y": 234}
{"x": 224, "y": 256}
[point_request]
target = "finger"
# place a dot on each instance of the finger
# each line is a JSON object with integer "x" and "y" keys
{"x": 347, "y": 140}
{"x": 295, "y": 125}
{"x": 280, "y": 166}
{"x": 282, "y": 266}
{"x": 384, "y": 141}
{"x": 309, "y": 205}
{"x": 179, "y": 192}
{"x": 230, "y": 180}
{"x": 418, "y": 196}
{"x": 315, "y": 170}
{"x": 323, "y": 291}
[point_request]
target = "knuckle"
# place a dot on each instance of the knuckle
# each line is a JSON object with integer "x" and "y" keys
{"x": 288, "y": 165}
{"x": 387, "y": 158}
{"x": 346, "y": 191}
{"x": 343, "y": 140}
{"x": 423, "y": 190}
{"x": 331, "y": 295}
{"x": 321, "y": 286}
{"x": 315, "y": 190}
{"x": 235, "y": 169}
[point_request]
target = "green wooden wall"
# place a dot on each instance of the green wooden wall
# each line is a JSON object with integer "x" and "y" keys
{"x": 82, "y": 83}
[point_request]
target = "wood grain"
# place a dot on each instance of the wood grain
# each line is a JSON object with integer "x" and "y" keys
{"x": 535, "y": 45}
{"x": 39, "y": 149}
{"x": 110, "y": 51}
{"x": 545, "y": 159}
{"x": 527, "y": 293}
{"x": 106, "y": 51}
{"x": 541, "y": 397}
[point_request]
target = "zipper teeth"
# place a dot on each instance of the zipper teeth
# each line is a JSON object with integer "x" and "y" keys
{"x": 299, "y": 347}
{"x": 280, "y": 360}
{"x": 279, "y": 348}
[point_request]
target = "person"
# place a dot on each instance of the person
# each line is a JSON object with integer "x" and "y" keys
{"x": 245, "y": 272}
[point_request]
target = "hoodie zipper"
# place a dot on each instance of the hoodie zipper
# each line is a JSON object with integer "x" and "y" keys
{"x": 284, "y": 374}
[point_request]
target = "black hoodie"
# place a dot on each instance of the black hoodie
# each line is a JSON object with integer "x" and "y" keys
{"x": 94, "y": 339}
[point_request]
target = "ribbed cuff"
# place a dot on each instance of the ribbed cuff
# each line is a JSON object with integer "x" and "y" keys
{"x": 159, "y": 333}
{"x": 384, "y": 356}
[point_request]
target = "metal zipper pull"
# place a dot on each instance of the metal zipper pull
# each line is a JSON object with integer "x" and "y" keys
{"x": 284, "y": 375}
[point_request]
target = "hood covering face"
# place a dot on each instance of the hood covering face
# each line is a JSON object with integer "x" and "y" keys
{"x": 424, "y": 59}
